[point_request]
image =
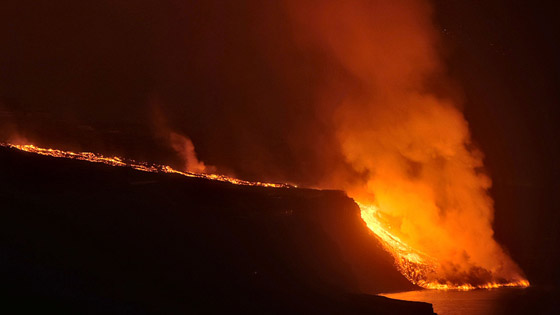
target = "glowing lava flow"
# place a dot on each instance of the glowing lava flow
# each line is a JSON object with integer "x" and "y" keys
{"x": 141, "y": 166}
{"x": 413, "y": 264}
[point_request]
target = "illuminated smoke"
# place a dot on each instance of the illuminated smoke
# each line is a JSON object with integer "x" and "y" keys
{"x": 185, "y": 149}
{"x": 420, "y": 169}
{"x": 181, "y": 144}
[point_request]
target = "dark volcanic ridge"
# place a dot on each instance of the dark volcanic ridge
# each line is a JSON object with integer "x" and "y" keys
{"x": 83, "y": 236}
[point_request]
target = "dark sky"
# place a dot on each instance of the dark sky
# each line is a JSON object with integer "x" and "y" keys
{"x": 94, "y": 75}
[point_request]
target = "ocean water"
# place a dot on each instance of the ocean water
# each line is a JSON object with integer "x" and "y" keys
{"x": 486, "y": 302}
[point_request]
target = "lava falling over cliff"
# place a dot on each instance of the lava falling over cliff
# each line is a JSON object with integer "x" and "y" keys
{"x": 415, "y": 265}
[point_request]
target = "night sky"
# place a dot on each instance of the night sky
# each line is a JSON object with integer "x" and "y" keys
{"x": 98, "y": 76}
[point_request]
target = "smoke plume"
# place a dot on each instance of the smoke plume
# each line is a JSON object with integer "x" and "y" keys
{"x": 412, "y": 145}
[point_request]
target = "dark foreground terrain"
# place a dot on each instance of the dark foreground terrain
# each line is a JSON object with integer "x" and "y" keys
{"x": 83, "y": 237}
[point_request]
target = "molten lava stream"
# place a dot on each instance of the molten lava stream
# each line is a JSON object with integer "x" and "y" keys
{"x": 141, "y": 166}
{"x": 412, "y": 263}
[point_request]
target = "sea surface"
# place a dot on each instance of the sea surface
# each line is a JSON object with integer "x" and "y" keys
{"x": 486, "y": 301}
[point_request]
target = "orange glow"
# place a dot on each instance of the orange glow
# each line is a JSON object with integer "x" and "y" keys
{"x": 418, "y": 267}
{"x": 389, "y": 131}
{"x": 409, "y": 159}
{"x": 141, "y": 166}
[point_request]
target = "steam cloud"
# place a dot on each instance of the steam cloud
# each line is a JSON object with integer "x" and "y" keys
{"x": 413, "y": 147}
{"x": 347, "y": 94}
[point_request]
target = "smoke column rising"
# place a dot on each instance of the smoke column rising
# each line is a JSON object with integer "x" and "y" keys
{"x": 412, "y": 146}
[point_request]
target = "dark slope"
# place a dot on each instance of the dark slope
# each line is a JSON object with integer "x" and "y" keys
{"x": 83, "y": 236}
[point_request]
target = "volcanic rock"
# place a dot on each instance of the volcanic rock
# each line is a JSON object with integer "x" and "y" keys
{"x": 79, "y": 236}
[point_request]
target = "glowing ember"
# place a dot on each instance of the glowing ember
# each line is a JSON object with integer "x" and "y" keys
{"x": 418, "y": 267}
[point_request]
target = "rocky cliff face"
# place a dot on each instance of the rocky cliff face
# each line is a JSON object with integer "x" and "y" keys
{"x": 78, "y": 235}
